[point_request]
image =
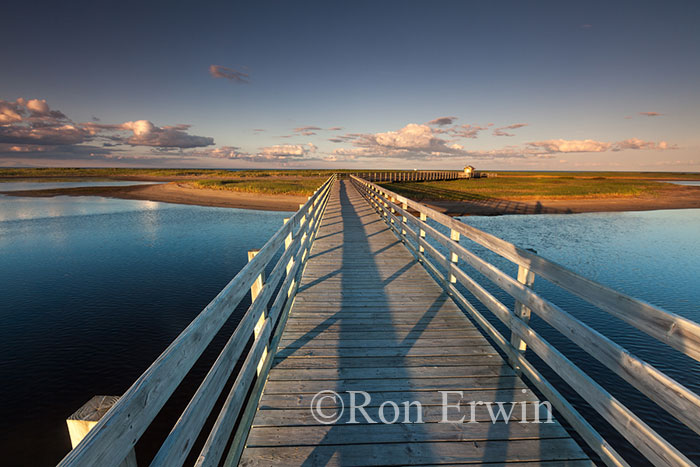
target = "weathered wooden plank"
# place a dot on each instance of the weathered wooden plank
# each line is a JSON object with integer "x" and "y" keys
{"x": 387, "y": 352}
{"x": 388, "y": 341}
{"x": 425, "y": 398}
{"x": 416, "y": 453}
{"x": 405, "y": 361}
{"x": 375, "y": 334}
{"x": 405, "y": 384}
{"x": 339, "y": 434}
{"x": 292, "y": 417}
{"x": 310, "y": 374}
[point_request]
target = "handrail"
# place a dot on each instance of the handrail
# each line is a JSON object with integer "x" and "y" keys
{"x": 391, "y": 176}
{"x": 677, "y": 400}
{"x": 669, "y": 328}
{"x": 121, "y": 427}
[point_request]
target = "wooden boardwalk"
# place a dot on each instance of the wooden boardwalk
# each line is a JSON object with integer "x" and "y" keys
{"x": 368, "y": 317}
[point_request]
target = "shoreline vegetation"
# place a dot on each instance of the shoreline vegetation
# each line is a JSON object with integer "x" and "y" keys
{"x": 284, "y": 190}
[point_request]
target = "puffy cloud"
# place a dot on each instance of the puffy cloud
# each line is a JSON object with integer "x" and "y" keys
{"x": 10, "y": 112}
{"x": 636, "y": 143}
{"x": 416, "y": 141}
{"x": 562, "y": 145}
{"x": 218, "y": 71}
{"x": 442, "y": 121}
{"x": 285, "y": 151}
{"x": 281, "y": 153}
{"x": 38, "y": 106}
{"x": 223, "y": 152}
{"x": 47, "y": 135}
{"x": 147, "y": 134}
{"x": 27, "y": 124}
{"x": 651, "y": 114}
{"x": 501, "y": 130}
{"x": 588, "y": 145}
{"x": 33, "y": 122}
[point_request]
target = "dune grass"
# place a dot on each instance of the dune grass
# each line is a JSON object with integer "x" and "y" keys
{"x": 52, "y": 172}
{"x": 300, "y": 186}
{"x": 528, "y": 188}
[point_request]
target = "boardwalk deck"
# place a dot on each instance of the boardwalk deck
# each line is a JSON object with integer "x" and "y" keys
{"x": 368, "y": 317}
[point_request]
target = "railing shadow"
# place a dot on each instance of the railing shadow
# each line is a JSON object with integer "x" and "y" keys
{"x": 463, "y": 203}
{"x": 360, "y": 256}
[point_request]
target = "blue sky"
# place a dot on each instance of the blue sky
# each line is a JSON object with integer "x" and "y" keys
{"x": 587, "y": 85}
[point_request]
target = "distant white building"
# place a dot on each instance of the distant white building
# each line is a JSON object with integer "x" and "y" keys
{"x": 469, "y": 172}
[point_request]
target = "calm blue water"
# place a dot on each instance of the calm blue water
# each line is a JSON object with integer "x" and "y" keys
{"x": 651, "y": 255}
{"x": 687, "y": 182}
{"x": 21, "y": 186}
{"x": 92, "y": 291}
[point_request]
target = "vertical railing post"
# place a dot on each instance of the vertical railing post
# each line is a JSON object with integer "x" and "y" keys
{"x": 454, "y": 236}
{"x": 288, "y": 241}
{"x": 254, "y": 292}
{"x": 527, "y": 278}
{"x": 421, "y": 233}
{"x": 404, "y": 220}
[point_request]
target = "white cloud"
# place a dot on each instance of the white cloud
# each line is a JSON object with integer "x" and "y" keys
{"x": 147, "y": 134}
{"x": 421, "y": 142}
{"x": 27, "y": 124}
{"x": 562, "y": 145}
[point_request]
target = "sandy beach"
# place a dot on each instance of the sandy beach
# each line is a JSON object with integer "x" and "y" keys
{"x": 177, "y": 193}
{"x": 680, "y": 198}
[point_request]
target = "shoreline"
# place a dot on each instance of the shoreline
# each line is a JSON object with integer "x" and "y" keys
{"x": 178, "y": 193}
{"x": 683, "y": 198}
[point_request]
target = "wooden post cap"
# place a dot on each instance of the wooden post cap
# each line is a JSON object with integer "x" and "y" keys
{"x": 87, "y": 416}
{"x": 94, "y": 409}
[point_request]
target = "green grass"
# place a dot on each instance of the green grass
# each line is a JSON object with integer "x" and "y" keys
{"x": 301, "y": 186}
{"x": 162, "y": 173}
{"x": 563, "y": 187}
{"x": 607, "y": 175}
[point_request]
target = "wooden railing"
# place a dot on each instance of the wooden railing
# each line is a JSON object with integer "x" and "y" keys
{"x": 673, "y": 330}
{"x": 114, "y": 437}
{"x": 411, "y": 176}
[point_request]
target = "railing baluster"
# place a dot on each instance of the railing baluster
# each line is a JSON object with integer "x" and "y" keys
{"x": 527, "y": 278}
{"x": 454, "y": 236}
{"x": 423, "y": 218}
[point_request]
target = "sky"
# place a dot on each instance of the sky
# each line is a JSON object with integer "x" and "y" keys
{"x": 380, "y": 84}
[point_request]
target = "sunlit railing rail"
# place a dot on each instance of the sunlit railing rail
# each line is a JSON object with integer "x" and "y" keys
{"x": 678, "y": 332}
{"x": 113, "y": 438}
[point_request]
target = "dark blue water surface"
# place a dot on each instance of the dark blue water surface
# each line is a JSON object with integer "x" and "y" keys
{"x": 92, "y": 290}
{"x": 650, "y": 255}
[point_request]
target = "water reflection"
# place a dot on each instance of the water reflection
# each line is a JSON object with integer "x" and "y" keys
{"x": 92, "y": 290}
{"x": 22, "y": 186}
{"x": 650, "y": 255}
